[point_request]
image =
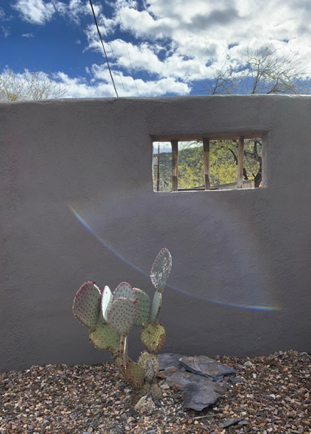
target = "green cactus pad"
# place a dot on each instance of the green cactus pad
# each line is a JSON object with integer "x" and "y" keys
{"x": 153, "y": 337}
{"x": 105, "y": 338}
{"x": 134, "y": 375}
{"x": 86, "y": 305}
{"x": 161, "y": 269}
{"x": 121, "y": 315}
{"x": 106, "y": 300}
{"x": 156, "y": 306}
{"x": 143, "y": 310}
{"x": 124, "y": 290}
{"x": 150, "y": 364}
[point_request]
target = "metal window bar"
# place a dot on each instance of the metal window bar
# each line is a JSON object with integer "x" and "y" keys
{"x": 174, "y": 165}
{"x": 206, "y": 157}
{"x": 240, "y": 162}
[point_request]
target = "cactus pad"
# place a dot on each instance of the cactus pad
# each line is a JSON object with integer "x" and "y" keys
{"x": 121, "y": 315}
{"x": 104, "y": 337}
{"x": 156, "y": 392}
{"x": 134, "y": 375}
{"x": 161, "y": 269}
{"x": 156, "y": 306}
{"x": 153, "y": 337}
{"x": 143, "y": 307}
{"x": 150, "y": 364}
{"x": 124, "y": 290}
{"x": 86, "y": 305}
{"x": 106, "y": 300}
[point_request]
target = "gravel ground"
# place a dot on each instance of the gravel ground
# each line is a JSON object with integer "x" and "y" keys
{"x": 274, "y": 397}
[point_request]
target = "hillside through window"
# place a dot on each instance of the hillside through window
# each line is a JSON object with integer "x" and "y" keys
{"x": 207, "y": 164}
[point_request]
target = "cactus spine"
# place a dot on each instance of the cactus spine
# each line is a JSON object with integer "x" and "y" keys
{"x": 109, "y": 317}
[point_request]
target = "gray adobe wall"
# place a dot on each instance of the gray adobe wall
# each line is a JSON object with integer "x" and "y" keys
{"x": 77, "y": 204}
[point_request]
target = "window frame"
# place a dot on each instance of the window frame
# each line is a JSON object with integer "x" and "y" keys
{"x": 240, "y": 137}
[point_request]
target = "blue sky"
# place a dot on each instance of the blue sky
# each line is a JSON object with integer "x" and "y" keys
{"x": 155, "y": 47}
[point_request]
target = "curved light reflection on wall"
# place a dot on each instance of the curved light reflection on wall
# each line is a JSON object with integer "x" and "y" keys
{"x": 78, "y": 215}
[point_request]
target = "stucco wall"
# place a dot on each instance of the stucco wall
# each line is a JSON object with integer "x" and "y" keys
{"x": 77, "y": 204}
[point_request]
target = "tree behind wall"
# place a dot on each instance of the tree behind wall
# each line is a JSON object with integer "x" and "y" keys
{"x": 28, "y": 86}
{"x": 260, "y": 71}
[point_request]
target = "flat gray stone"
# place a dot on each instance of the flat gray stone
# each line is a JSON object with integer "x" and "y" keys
{"x": 203, "y": 365}
{"x": 168, "y": 360}
{"x": 235, "y": 380}
{"x": 198, "y": 392}
{"x": 198, "y": 396}
{"x": 233, "y": 421}
{"x": 180, "y": 379}
{"x": 198, "y": 377}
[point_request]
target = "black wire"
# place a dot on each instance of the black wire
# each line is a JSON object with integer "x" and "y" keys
{"x": 101, "y": 40}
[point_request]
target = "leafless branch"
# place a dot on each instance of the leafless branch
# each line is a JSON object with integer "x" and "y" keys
{"x": 28, "y": 86}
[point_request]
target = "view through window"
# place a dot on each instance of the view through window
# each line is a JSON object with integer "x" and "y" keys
{"x": 207, "y": 164}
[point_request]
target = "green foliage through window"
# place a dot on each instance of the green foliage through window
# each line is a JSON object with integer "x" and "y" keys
{"x": 223, "y": 164}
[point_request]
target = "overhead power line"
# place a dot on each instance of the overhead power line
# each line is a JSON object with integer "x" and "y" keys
{"x": 102, "y": 42}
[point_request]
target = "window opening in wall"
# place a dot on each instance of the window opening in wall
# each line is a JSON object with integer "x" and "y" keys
{"x": 207, "y": 164}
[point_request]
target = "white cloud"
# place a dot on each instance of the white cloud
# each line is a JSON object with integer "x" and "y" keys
{"x": 127, "y": 86}
{"x": 6, "y": 31}
{"x": 79, "y": 88}
{"x": 140, "y": 57}
{"x": 28, "y": 35}
{"x": 100, "y": 85}
{"x": 35, "y": 11}
{"x": 142, "y": 24}
{"x": 60, "y": 7}
{"x": 76, "y": 9}
{"x": 41, "y": 11}
{"x": 202, "y": 35}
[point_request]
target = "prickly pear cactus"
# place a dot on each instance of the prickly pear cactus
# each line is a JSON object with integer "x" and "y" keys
{"x": 121, "y": 315}
{"x": 150, "y": 364}
{"x": 106, "y": 300}
{"x": 105, "y": 338}
{"x": 135, "y": 375}
{"x": 156, "y": 306}
{"x": 86, "y": 305}
{"x": 143, "y": 307}
{"x": 109, "y": 317}
{"x": 161, "y": 269}
{"x": 153, "y": 337}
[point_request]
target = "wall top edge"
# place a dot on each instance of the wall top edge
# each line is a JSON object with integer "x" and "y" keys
{"x": 210, "y": 135}
{"x": 167, "y": 99}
